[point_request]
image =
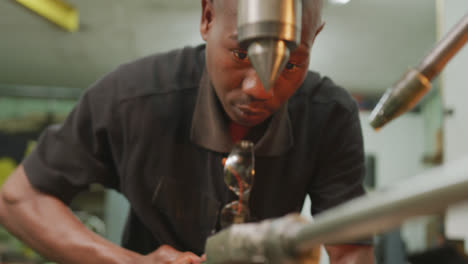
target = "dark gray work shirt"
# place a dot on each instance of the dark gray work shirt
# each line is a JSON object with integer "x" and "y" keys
{"x": 154, "y": 130}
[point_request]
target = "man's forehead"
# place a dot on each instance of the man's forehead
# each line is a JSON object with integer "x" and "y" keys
{"x": 227, "y": 7}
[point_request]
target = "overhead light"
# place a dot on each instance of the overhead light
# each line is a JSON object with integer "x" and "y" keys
{"x": 339, "y": 2}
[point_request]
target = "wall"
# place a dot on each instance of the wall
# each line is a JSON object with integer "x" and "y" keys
{"x": 455, "y": 86}
{"x": 36, "y": 52}
{"x": 399, "y": 147}
{"x": 455, "y": 92}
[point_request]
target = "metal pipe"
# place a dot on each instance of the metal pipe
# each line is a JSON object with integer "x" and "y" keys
{"x": 409, "y": 90}
{"x": 443, "y": 52}
{"x": 429, "y": 193}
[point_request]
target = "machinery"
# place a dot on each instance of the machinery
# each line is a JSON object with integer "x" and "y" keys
{"x": 407, "y": 92}
{"x": 269, "y": 30}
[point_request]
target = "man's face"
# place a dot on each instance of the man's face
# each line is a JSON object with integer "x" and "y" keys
{"x": 235, "y": 81}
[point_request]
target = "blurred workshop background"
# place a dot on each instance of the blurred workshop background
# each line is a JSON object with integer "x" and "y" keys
{"x": 365, "y": 47}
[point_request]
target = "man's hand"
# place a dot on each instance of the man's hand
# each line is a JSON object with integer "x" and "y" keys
{"x": 350, "y": 254}
{"x": 167, "y": 254}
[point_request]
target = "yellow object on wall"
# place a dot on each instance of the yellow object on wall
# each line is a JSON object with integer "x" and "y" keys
{"x": 7, "y": 166}
{"x": 57, "y": 11}
{"x": 29, "y": 147}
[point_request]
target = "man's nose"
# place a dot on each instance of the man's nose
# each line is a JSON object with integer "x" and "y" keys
{"x": 253, "y": 86}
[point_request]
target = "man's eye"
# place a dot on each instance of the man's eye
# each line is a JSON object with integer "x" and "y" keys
{"x": 290, "y": 66}
{"x": 241, "y": 55}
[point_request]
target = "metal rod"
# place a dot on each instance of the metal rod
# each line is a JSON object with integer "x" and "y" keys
{"x": 429, "y": 193}
{"x": 409, "y": 90}
{"x": 446, "y": 48}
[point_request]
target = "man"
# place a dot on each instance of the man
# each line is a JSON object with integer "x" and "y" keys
{"x": 157, "y": 130}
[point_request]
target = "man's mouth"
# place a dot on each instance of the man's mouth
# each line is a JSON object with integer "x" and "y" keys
{"x": 251, "y": 111}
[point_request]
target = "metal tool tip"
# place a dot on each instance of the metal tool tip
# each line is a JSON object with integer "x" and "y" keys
{"x": 377, "y": 120}
{"x": 268, "y": 57}
{"x": 400, "y": 98}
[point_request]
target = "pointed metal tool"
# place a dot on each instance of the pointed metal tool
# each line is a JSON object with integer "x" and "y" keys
{"x": 409, "y": 90}
{"x": 268, "y": 57}
{"x": 269, "y": 30}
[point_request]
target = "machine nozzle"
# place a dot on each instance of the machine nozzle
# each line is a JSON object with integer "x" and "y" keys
{"x": 269, "y": 30}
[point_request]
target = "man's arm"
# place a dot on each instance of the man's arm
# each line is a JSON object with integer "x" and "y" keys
{"x": 47, "y": 225}
{"x": 350, "y": 254}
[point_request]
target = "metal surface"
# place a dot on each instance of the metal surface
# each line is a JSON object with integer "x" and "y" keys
{"x": 428, "y": 193}
{"x": 409, "y": 90}
{"x": 268, "y": 58}
{"x": 446, "y": 48}
{"x": 268, "y": 241}
{"x": 269, "y": 30}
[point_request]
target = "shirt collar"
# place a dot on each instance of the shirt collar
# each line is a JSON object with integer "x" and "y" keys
{"x": 210, "y": 129}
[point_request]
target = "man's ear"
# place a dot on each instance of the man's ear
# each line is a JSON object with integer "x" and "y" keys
{"x": 319, "y": 29}
{"x": 207, "y": 17}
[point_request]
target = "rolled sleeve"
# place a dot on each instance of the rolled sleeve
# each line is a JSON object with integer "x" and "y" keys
{"x": 342, "y": 168}
{"x": 341, "y": 164}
